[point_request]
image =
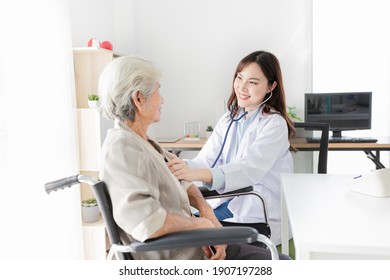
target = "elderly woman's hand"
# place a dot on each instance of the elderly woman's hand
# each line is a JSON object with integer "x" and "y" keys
{"x": 216, "y": 252}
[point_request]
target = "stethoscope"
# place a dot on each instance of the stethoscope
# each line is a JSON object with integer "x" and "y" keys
{"x": 234, "y": 120}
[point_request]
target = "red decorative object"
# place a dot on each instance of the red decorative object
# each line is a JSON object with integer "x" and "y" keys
{"x": 93, "y": 42}
{"x": 90, "y": 42}
{"x": 106, "y": 45}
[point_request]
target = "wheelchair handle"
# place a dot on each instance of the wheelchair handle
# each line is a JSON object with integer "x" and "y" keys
{"x": 67, "y": 182}
{"x": 61, "y": 183}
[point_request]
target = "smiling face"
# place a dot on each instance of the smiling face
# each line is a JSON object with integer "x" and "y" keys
{"x": 251, "y": 86}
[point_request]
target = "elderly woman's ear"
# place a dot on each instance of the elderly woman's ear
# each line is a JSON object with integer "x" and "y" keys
{"x": 138, "y": 100}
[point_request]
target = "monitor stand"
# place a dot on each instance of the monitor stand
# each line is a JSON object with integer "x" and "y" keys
{"x": 336, "y": 134}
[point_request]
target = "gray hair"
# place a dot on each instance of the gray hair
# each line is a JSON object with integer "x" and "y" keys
{"x": 120, "y": 80}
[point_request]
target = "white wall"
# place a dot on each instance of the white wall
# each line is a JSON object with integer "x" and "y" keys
{"x": 198, "y": 43}
{"x": 351, "y": 52}
{"x": 91, "y": 19}
{"x": 105, "y": 20}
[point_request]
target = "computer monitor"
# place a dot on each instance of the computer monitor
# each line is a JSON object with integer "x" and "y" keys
{"x": 342, "y": 110}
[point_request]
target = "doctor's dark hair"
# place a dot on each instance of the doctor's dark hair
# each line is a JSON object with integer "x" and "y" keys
{"x": 270, "y": 66}
{"x": 119, "y": 82}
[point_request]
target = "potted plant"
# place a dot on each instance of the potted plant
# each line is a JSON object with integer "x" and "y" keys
{"x": 89, "y": 210}
{"x": 209, "y": 131}
{"x": 295, "y": 118}
{"x": 93, "y": 100}
{"x": 291, "y": 113}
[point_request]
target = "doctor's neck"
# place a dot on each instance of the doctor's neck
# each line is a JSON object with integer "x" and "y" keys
{"x": 250, "y": 111}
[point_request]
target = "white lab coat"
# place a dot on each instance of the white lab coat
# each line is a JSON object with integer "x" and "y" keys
{"x": 262, "y": 156}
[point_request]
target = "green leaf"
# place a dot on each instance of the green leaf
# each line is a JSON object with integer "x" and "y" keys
{"x": 89, "y": 202}
{"x": 93, "y": 97}
{"x": 292, "y": 114}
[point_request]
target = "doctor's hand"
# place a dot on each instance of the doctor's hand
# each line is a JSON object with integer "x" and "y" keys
{"x": 182, "y": 171}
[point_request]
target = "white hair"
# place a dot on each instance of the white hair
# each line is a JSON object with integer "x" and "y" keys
{"x": 120, "y": 80}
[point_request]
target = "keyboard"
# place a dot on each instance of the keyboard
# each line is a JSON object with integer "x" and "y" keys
{"x": 343, "y": 140}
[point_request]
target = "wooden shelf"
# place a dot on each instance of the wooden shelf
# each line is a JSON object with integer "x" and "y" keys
{"x": 88, "y": 64}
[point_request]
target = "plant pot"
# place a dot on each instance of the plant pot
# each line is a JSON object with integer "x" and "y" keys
{"x": 93, "y": 104}
{"x": 90, "y": 214}
{"x": 208, "y": 134}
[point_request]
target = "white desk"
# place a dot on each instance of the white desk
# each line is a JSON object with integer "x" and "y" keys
{"x": 372, "y": 150}
{"x": 328, "y": 221}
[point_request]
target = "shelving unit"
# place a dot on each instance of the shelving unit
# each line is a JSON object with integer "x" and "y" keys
{"x": 92, "y": 127}
{"x": 88, "y": 64}
{"x": 95, "y": 240}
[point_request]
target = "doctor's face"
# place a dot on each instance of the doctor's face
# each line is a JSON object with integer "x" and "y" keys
{"x": 251, "y": 86}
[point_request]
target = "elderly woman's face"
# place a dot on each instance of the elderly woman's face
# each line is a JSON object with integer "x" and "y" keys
{"x": 151, "y": 110}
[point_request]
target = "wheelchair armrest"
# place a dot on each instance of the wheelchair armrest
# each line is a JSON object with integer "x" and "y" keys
{"x": 243, "y": 191}
{"x": 197, "y": 238}
{"x": 206, "y": 193}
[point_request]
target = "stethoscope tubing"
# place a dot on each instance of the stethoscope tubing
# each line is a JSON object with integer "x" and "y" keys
{"x": 232, "y": 120}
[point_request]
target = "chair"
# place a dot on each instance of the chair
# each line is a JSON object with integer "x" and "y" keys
{"x": 324, "y": 142}
{"x": 194, "y": 238}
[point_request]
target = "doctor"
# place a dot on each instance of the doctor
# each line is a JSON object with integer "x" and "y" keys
{"x": 249, "y": 146}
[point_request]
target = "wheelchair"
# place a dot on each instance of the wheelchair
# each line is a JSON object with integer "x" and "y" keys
{"x": 194, "y": 238}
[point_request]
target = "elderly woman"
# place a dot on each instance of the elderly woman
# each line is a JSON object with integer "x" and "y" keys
{"x": 148, "y": 200}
